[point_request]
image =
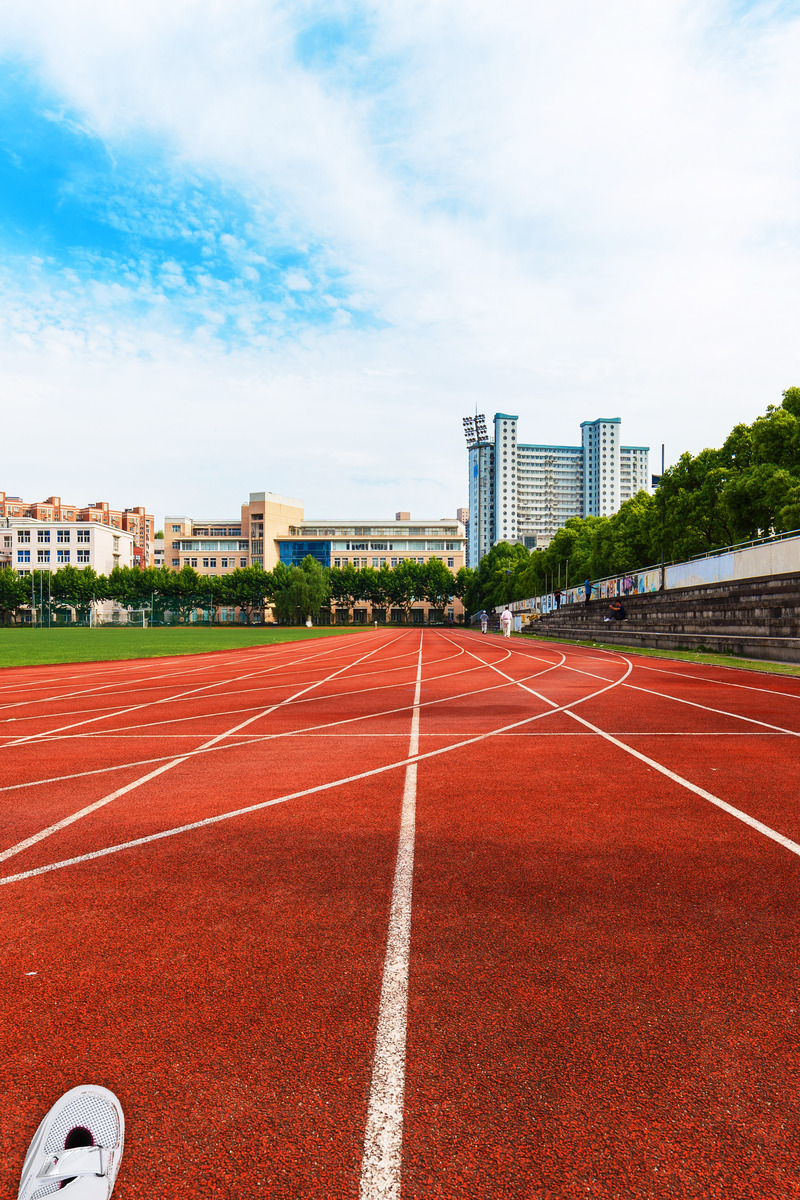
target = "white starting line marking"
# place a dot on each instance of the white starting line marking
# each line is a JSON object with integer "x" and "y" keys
{"x": 381, "y": 1166}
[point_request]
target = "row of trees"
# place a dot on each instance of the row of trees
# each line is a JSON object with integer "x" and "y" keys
{"x": 295, "y": 593}
{"x": 748, "y": 488}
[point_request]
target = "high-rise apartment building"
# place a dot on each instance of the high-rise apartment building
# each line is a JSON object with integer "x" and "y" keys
{"x": 520, "y": 492}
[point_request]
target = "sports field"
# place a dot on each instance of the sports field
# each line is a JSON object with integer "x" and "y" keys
{"x": 416, "y": 913}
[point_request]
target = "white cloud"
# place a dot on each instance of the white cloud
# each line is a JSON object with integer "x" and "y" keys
{"x": 565, "y": 210}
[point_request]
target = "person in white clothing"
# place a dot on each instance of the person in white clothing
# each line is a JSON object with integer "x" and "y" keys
{"x": 505, "y": 620}
{"x": 484, "y": 621}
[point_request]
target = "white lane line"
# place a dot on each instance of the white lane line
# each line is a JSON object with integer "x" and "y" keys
{"x": 77, "y": 816}
{"x": 321, "y": 787}
{"x": 251, "y": 741}
{"x": 381, "y": 1164}
{"x": 121, "y": 712}
{"x": 759, "y": 826}
{"x": 112, "y": 710}
{"x": 99, "y": 687}
{"x": 747, "y": 687}
{"x": 722, "y": 712}
{"x": 256, "y": 654}
{"x": 718, "y": 711}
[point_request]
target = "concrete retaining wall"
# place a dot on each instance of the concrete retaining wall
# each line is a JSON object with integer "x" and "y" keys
{"x": 757, "y": 618}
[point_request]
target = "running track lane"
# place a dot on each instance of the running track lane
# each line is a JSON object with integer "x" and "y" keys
{"x": 602, "y": 991}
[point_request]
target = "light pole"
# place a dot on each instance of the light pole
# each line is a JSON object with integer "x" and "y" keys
{"x": 663, "y": 518}
{"x": 477, "y": 439}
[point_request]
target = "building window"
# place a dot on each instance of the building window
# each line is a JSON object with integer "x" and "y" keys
{"x": 23, "y": 535}
{"x": 116, "y": 543}
{"x": 23, "y": 556}
{"x": 205, "y": 562}
{"x": 83, "y": 556}
{"x": 43, "y": 556}
{"x": 194, "y": 562}
{"x": 63, "y": 535}
{"x": 451, "y": 562}
{"x": 242, "y": 562}
{"x": 84, "y": 535}
{"x": 212, "y": 562}
{"x": 223, "y": 562}
{"x": 63, "y": 556}
{"x": 176, "y": 528}
{"x": 43, "y": 535}
{"x": 176, "y": 562}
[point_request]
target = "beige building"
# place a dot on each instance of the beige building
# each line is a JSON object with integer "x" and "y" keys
{"x": 216, "y": 546}
{"x": 272, "y": 529}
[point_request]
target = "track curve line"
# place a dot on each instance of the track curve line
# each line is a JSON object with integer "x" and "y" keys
{"x": 239, "y": 812}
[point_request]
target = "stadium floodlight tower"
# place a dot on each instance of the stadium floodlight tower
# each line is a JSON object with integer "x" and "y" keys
{"x": 480, "y": 452}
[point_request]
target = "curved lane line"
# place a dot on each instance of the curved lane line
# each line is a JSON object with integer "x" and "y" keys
{"x": 738, "y": 813}
{"x": 120, "y": 712}
{"x": 322, "y": 787}
{"x": 136, "y": 783}
{"x": 298, "y": 732}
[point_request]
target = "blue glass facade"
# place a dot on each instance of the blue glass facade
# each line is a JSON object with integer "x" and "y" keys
{"x": 293, "y": 553}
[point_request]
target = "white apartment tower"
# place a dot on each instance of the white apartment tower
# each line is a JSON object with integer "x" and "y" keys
{"x": 612, "y": 473}
{"x": 520, "y": 492}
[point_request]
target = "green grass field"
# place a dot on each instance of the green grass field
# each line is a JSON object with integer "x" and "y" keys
{"x": 29, "y": 647}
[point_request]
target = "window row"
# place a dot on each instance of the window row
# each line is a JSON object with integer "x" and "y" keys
{"x": 62, "y": 535}
{"x": 62, "y": 556}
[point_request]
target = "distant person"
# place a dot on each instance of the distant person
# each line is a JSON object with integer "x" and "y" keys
{"x": 484, "y": 616}
{"x": 616, "y": 611}
{"x": 557, "y": 598}
{"x": 588, "y": 589}
{"x": 506, "y": 619}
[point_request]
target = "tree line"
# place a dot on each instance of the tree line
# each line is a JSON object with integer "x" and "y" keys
{"x": 294, "y": 593}
{"x": 749, "y": 488}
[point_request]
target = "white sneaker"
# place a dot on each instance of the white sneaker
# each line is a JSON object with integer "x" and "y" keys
{"x": 77, "y": 1149}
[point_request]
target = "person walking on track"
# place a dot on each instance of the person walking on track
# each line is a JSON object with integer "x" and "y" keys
{"x": 484, "y": 620}
{"x": 505, "y": 620}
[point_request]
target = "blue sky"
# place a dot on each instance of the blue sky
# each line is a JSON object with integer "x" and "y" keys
{"x": 287, "y": 245}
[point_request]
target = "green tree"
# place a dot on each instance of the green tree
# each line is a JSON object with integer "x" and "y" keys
{"x": 406, "y": 584}
{"x": 376, "y": 587}
{"x": 347, "y": 585}
{"x": 301, "y": 591}
{"x": 438, "y": 583}
{"x": 251, "y": 589}
{"x": 76, "y": 588}
{"x": 14, "y": 592}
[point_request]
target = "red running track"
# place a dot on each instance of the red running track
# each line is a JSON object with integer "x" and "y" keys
{"x": 408, "y": 913}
